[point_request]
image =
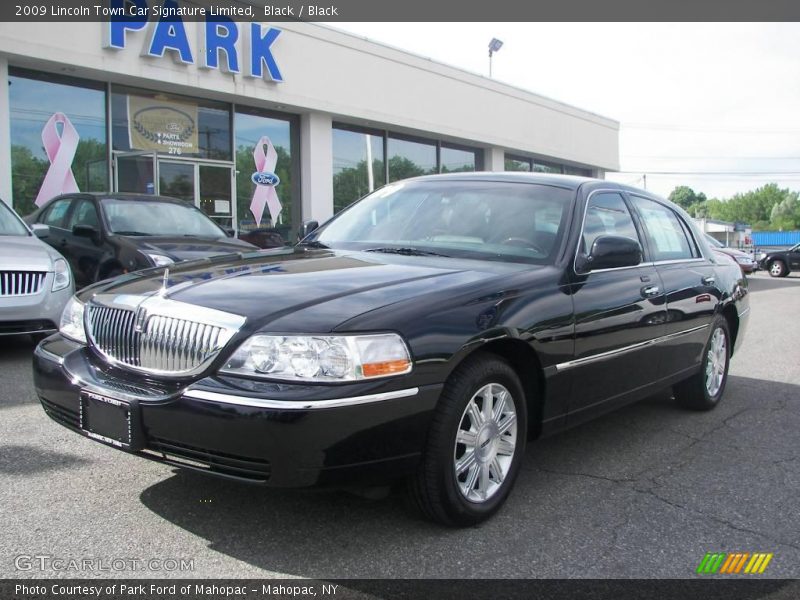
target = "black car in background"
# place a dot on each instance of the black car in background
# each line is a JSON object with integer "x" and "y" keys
{"x": 427, "y": 332}
{"x": 780, "y": 263}
{"x": 105, "y": 235}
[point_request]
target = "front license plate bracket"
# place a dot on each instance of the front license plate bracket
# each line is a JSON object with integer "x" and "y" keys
{"x": 111, "y": 421}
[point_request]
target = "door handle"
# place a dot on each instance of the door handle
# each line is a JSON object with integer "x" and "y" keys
{"x": 710, "y": 280}
{"x": 650, "y": 291}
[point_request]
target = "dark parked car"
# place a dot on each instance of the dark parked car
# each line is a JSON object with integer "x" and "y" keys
{"x": 427, "y": 332}
{"x": 780, "y": 263}
{"x": 747, "y": 263}
{"x": 105, "y": 235}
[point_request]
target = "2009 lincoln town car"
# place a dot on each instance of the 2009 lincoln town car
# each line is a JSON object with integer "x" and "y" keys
{"x": 427, "y": 332}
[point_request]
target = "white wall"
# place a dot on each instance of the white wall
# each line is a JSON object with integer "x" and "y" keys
{"x": 342, "y": 77}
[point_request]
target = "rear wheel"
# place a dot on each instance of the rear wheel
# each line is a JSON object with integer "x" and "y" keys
{"x": 777, "y": 268}
{"x": 475, "y": 445}
{"x": 704, "y": 390}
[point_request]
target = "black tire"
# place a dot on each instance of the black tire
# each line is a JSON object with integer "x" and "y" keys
{"x": 435, "y": 489}
{"x": 694, "y": 393}
{"x": 777, "y": 268}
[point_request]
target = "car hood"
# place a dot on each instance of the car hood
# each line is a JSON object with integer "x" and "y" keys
{"x": 25, "y": 253}
{"x": 268, "y": 287}
{"x": 188, "y": 248}
{"x": 732, "y": 252}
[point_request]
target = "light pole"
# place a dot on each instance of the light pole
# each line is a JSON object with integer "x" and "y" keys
{"x": 494, "y": 46}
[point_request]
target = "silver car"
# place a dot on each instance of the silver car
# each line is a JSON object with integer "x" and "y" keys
{"x": 35, "y": 280}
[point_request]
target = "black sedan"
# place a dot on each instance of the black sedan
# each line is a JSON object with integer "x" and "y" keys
{"x": 779, "y": 263}
{"x": 105, "y": 235}
{"x": 428, "y": 332}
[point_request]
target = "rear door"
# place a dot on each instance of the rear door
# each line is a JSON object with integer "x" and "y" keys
{"x": 689, "y": 283}
{"x": 618, "y": 313}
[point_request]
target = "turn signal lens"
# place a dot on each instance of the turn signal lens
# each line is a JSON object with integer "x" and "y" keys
{"x": 389, "y": 367}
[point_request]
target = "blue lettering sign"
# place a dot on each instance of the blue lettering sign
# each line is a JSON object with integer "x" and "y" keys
{"x": 169, "y": 33}
{"x": 114, "y": 31}
{"x": 261, "y": 53}
{"x": 221, "y": 35}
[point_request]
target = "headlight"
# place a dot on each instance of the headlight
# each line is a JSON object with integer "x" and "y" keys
{"x": 72, "y": 321}
{"x": 744, "y": 260}
{"x": 323, "y": 358}
{"x": 761, "y": 255}
{"x": 159, "y": 260}
{"x": 62, "y": 278}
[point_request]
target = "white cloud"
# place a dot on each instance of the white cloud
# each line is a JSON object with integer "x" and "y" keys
{"x": 691, "y": 97}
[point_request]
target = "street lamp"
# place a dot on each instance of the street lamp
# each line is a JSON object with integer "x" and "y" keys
{"x": 494, "y": 46}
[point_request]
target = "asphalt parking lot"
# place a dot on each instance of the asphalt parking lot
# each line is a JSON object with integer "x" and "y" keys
{"x": 643, "y": 492}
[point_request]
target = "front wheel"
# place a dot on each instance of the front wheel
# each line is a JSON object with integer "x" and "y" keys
{"x": 778, "y": 269}
{"x": 704, "y": 390}
{"x": 475, "y": 445}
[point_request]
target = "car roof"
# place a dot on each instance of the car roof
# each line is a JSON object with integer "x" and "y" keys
{"x": 137, "y": 197}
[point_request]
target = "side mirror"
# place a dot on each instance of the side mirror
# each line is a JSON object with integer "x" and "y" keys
{"x": 86, "y": 231}
{"x": 612, "y": 252}
{"x": 40, "y": 231}
{"x": 306, "y": 228}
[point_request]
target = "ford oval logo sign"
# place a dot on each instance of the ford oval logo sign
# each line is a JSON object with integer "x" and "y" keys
{"x": 265, "y": 178}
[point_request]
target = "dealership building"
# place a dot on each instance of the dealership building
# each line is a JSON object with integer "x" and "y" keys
{"x": 301, "y": 116}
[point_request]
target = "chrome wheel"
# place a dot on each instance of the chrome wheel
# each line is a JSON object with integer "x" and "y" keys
{"x": 485, "y": 443}
{"x": 776, "y": 269}
{"x": 716, "y": 361}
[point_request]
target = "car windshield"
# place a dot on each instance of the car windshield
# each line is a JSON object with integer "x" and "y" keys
{"x": 714, "y": 242}
{"x": 519, "y": 222}
{"x": 10, "y": 223}
{"x": 148, "y": 217}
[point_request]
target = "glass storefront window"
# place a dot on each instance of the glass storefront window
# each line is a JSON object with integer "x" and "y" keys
{"x": 456, "y": 160}
{"x": 546, "y": 167}
{"x": 251, "y": 126}
{"x": 410, "y": 158}
{"x": 517, "y": 164}
{"x": 34, "y": 99}
{"x": 169, "y": 124}
{"x": 358, "y": 166}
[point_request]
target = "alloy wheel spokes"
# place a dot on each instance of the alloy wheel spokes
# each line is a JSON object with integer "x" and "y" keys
{"x": 485, "y": 442}
{"x": 716, "y": 361}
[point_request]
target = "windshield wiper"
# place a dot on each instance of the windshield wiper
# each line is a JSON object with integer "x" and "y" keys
{"x": 131, "y": 233}
{"x": 406, "y": 251}
{"x": 313, "y": 244}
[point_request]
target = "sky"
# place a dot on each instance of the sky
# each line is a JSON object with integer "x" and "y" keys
{"x": 715, "y": 106}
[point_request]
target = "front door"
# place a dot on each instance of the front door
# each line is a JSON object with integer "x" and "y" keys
{"x": 135, "y": 172}
{"x": 209, "y": 186}
{"x": 618, "y": 312}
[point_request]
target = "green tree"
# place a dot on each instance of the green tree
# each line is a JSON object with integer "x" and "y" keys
{"x": 687, "y": 198}
{"x": 786, "y": 214}
{"x": 753, "y": 207}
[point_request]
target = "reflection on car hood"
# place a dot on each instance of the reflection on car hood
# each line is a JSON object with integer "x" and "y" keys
{"x": 25, "y": 253}
{"x": 266, "y": 286}
{"x": 732, "y": 252}
{"x": 188, "y": 248}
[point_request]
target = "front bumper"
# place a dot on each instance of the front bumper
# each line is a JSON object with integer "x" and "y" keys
{"x": 277, "y": 435}
{"x": 37, "y": 313}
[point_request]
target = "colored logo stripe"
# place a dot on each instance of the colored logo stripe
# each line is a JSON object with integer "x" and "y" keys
{"x": 734, "y": 562}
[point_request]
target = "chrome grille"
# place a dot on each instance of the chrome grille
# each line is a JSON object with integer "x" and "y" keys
{"x": 21, "y": 283}
{"x": 176, "y": 344}
{"x": 163, "y": 344}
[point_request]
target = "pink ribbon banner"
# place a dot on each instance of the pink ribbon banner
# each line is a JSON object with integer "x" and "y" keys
{"x": 265, "y": 180}
{"x": 60, "y": 149}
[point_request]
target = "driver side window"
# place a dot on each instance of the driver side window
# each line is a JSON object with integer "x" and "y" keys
{"x": 85, "y": 213}
{"x": 606, "y": 214}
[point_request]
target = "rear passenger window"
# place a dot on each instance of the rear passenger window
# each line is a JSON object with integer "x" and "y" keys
{"x": 606, "y": 214}
{"x": 666, "y": 234}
